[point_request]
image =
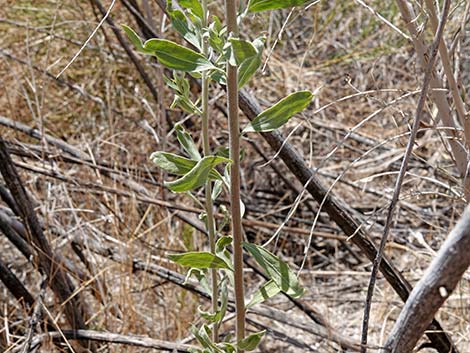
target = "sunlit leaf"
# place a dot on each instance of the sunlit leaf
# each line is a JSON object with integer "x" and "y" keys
{"x": 242, "y": 50}
{"x": 276, "y": 116}
{"x": 197, "y": 176}
{"x": 222, "y": 243}
{"x": 266, "y": 291}
{"x": 251, "y": 342}
{"x": 135, "y": 39}
{"x": 263, "y": 5}
{"x": 178, "y": 165}
{"x": 276, "y": 269}
{"x": 194, "y": 6}
{"x": 247, "y": 69}
{"x": 199, "y": 260}
{"x": 210, "y": 317}
{"x": 172, "y": 163}
{"x": 177, "y": 57}
{"x": 185, "y": 28}
{"x": 187, "y": 142}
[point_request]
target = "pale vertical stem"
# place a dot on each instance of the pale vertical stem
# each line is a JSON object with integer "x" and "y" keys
{"x": 444, "y": 54}
{"x": 234, "y": 133}
{"x": 438, "y": 95}
{"x": 209, "y": 204}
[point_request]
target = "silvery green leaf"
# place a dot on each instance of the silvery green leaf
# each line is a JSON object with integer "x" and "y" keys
{"x": 187, "y": 142}
{"x": 185, "y": 28}
{"x": 266, "y": 291}
{"x": 263, "y": 5}
{"x": 194, "y": 6}
{"x": 197, "y": 176}
{"x": 251, "y": 342}
{"x": 178, "y": 165}
{"x": 199, "y": 260}
{"x": 276, "y": 269}
{"x": 247, "y": 69}
{"x": 242, "y": 50}
{"x": 177, "y": 57}
{"x": 276, "y": 116}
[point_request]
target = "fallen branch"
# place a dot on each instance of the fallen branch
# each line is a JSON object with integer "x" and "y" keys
{"x": 90, "y": 335}
{"x": 440, "y": 279}
{"x": 47, "y": 262}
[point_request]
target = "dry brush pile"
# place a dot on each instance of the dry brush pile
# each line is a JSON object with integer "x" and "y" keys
{"x": 86, "y": 223}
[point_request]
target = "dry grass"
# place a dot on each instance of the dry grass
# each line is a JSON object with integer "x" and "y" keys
{"x": 336, "y": 48}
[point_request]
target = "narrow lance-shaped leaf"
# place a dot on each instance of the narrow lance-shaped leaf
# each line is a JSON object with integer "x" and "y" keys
{"x": 242, "y": 50}
{"x": 276, "y": 269}
{"x": 171, "y": 54}
{"x": 266, "y": 291}
{"x": 199, "y": 260}
{"x": 135, "y": 39}
{"x": 177, "y": 57}
{"x": 276, "y": 116}
{"x": 194, "y": 6}
{"x": 178, "y": 165}
{"x": 264, "y": 5}
{"x": 247, "y": 69}
{"x": 180, "y": 23}
{"x": 251, "y": 342}
{"x": 187, "y": 142}
{"x": 203, "y": 337}
{"x": 197, "y": 176}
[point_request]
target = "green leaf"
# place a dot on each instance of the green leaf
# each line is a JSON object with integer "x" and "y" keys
{"x": 177, "y": 57}
{"x": 178, "y": 165}
{"x": 222, "y": 243}
{"x": 197, "y": 176}
{"x": 242, "y": 50}
{"x": 247, "y": 69}
{"x": 247, "y": 56}
{"x": 203, "y": 337}
{"x": 135, "y": 39}
{"x": 187, "y": 142}
{"x": 172, "y": 163}
{"x": 263, "y": 5}
{"x": 266, "y": 291}
{"x": 199, "y": 260}
{"x": 185, "y": 28}
{"x": 194, "y": 6}
{"x": 217, "y": 34}
{"x": 276, "y": 116}
{"x": 251, "y": 342}
{"x": 276, "y": 269}
{"x": 210, "y": 317}
{"x": 201, "y": 276}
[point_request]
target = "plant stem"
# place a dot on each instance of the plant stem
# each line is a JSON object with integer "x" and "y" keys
{"x": 234, "y": 137}
{"x": 209, "y": 204}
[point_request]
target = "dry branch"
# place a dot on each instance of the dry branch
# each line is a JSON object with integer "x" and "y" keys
{"x": 404, "y": 166}
{"x": 98, "y": 336}
{"x": 438, "y": 93}
{"x": 440, "y": 279}
{"x": 47, "y": 262}
{"x": 14, "y": 285}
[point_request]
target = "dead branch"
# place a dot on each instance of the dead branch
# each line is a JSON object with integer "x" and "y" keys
{"x": 14, "y": 285}
{"x": 430, "y": 293}
{"x": 48, "y": 264}
{"x": 90, "y": 335}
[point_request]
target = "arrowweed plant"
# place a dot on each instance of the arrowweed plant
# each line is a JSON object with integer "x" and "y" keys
{"x": 219, "y": 55}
